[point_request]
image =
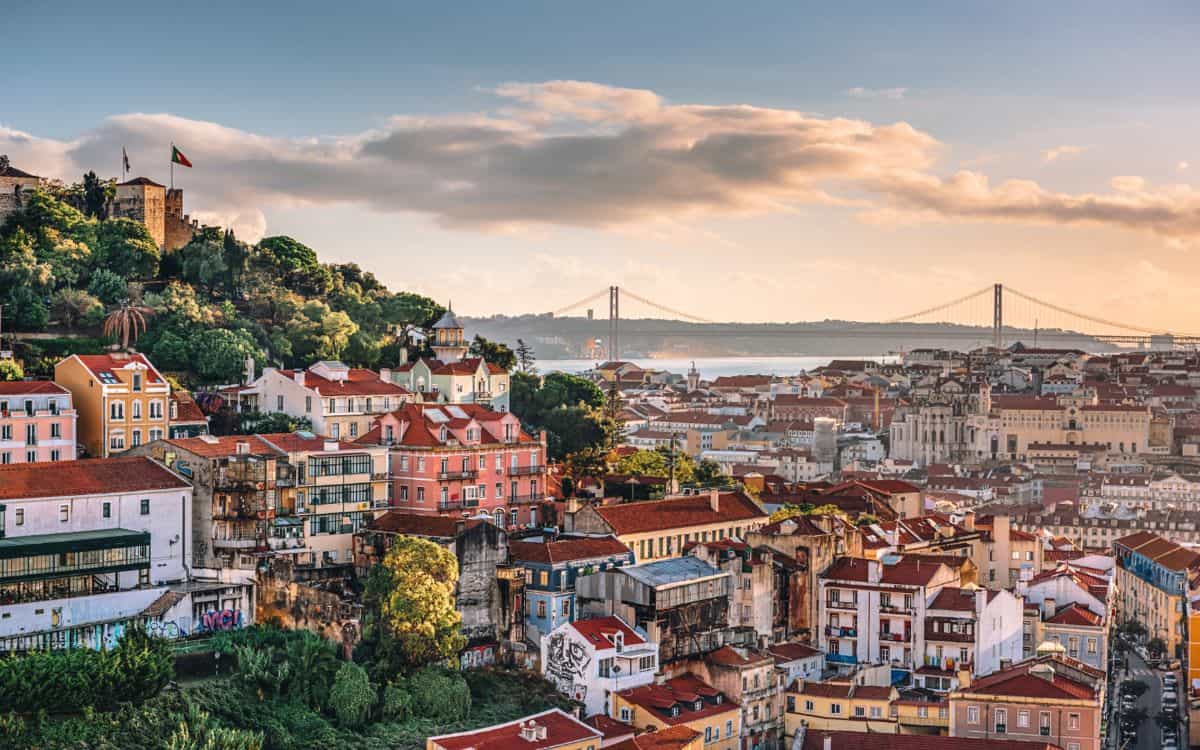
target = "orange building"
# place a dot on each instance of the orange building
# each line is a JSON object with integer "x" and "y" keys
{"x": 121, "y": 399}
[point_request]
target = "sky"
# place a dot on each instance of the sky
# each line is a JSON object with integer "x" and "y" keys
{"x": 739, "y": 161}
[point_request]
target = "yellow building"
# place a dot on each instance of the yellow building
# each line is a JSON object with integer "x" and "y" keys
{"x": 550, "y": 730}
{"x": 840, "y": 705}
{"x": 121, "y": 399}
{"x": 918, "y": 716}
{"x": 685, "y": 701}
{"x": 1155, "y": 577}
{"x": 659, "y": 529}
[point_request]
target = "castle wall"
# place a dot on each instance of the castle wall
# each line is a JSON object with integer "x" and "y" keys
{"x": 144, "y": 203}
{"x": 14, "y": 191}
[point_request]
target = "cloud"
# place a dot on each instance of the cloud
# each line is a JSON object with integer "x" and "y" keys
{"x": 858, "y": 92}
{"x": 1181, "y": 166}
{"x": 572, "y": 153}
{"x": 1054, "y": 154}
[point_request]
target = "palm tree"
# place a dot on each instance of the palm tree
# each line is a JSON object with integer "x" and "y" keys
{"x": 128, "y": 320}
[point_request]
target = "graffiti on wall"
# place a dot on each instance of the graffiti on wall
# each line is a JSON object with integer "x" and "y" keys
{"x": 166, "y": 629}
{"x": 220, "y": 619}
{"x": 566, "y": 661}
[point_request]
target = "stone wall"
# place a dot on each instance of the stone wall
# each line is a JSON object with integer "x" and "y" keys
{"x": 13, "y": 193}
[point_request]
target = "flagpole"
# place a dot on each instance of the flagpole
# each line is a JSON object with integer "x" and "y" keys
{"x": 172, "y": 165}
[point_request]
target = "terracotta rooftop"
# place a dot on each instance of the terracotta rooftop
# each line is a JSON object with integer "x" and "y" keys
{"x": 1075, "y": 614}
{"x": 421, "y": 524}
{"x": 599, "y": 632}
{"x": 99, "y": 364}
{"x": 560, "y": 729}
{"x": 566, "y": 549}
{"x": 86, "y": 477}
{"x": 683, "y": 691}
{"x": 671, "y": 738}
{"x": 680, "y": 512}
{"x": 31, "y": 388}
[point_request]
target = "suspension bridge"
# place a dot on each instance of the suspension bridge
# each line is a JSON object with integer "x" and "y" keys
{"x": 993, "y": 315}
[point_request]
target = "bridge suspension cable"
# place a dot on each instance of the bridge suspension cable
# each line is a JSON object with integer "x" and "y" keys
{"x": 1082, "y": 316}
{"x": 580, "y": 303}
{"x": 664, "y": 308}
{"x": 945, "y": 305}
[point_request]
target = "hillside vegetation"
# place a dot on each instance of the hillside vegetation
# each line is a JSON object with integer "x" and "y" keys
{"x": 205, "y": 307}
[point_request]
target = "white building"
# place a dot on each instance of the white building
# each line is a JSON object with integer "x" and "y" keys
{"x": 90, "y": 547}
{"x": 969, "y": 629}
{"x": 589, "y": 660}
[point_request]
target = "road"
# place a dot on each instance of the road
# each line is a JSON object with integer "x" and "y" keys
{"x": 1148, "y": 737}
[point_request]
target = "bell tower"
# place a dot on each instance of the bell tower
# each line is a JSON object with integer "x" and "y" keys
{"x": 448, "y": 343}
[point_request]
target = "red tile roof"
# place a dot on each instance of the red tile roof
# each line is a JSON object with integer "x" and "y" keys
{"x": 561, "y": 729}
{"x": 954, "y": 599}
{"x": 566, "y": 550}
{"x": 600, "y": 630}
{"x": 421, "y": 524}
{"x": 1020, "y": 681}
{"x": 680, "y": 512}
{"x": 1075, "y": 614}
{"x": 728, "y": 656}
{"x": 31, "y": 388}
{"x": 99, "y": 363}
{"x": 86, "y": 477}
{"x": 610, "y": 727}
{"x": 671, "y": 738}
{"x": 295, "y": 442}
{"x": 358, "y": 382}
{"x": 213, "y": 446}
{"x": 683, "y": 690}
{"x": 785, "y": 652}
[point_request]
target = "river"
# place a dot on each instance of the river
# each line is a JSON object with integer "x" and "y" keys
{"x": 712, "y": 367}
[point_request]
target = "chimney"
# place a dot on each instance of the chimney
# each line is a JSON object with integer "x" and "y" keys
{"x": 969, "y": 520}
{"x": 714, "y": 500}
{"x": 385, "y": 374}
{"x": 298, "y": 376}
{"x": 1044, "y": 671}
{"x": 1049, "y": 608}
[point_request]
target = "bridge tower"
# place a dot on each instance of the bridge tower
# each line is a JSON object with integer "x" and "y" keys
{"x": 998, "y": 316}
{"x": 614, "y": 323}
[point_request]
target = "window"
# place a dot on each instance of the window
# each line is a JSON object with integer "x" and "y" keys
{"x": 1023, "y": 719}
{"x": 6, "y": 457}
{"x": 404, "y": 492}
{"x": 1091, "y": 645}
{"x": 1073, "y": 721}
{"x": 972, "y": 714}
{"x": 605, "y": 667}
{"x": 137, "y": 381}
{"x": 106, "y": 510}
{"x": 1044, "y": 723}
{"x": 646, "y": 664}
{"x": 729, "y": 728}
{"x": 279, "y": 403}
{"x": 876, "y": 712}
{"x": 145, "y": 506}
{"x": 708, "y": 734}
{"x": 31, "y": 434}
{"x": 541, "y": 609}
{"x": 64, "y": 513}
{"x": 30, "y": 457}
{"x": 20, "y": 516}
{"x": 566, "y": 605}
{"x": 135, "y": 410}
{"x": 860, "y": 711}
{"x": 308, "y": 404}
{"x": 626, "y": 715}
{"x": 1001, "y": 720}
{"x": 56, "y": 455}
{"x": 5, "y": 431}
{"x": 420, "y": 494}
{"x": 835, "y": 708}
{"x": 808, "y": 705}
{"x": 137, "y": 438}
{"x": 354, "y": 429}
{"x": 156, "y": 434}
{"x": 116, "y": 410}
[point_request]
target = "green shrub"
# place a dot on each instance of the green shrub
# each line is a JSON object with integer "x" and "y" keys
{"x": 439, "y": 694}
{"x": 352, "y": 695}
{"x": 397, "y": 703}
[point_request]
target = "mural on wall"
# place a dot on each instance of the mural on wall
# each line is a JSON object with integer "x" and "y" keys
{"x": 566, "y": 661}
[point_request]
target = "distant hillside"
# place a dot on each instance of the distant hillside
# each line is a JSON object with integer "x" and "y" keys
{"x": 568, "y": 337}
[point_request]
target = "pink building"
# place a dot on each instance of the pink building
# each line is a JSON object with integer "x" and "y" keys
{"x": 462, "y": 459}
{"x": 1049, "y": 698}
{"x": 37, "y": 422}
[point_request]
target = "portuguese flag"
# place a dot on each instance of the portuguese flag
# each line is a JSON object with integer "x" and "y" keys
{"x": 177, "y": 157}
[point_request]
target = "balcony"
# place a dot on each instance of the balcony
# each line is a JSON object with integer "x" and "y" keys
{"x": 525, "y": 499}
{"x": 278, "y": 543}
{"x": 481, "y": 396}
{"x": 458, "y": 505}
{"x": 895, "y": 637}
{"x": 526, "y": 471}
{"x": 446, "y": 476}
{"x": 841, "y": 604}
{"x": 837, "y": 632}
{"x": 897, "y": 609}
{"x": 378, "y": 475}
{"x": 247, "y": 543}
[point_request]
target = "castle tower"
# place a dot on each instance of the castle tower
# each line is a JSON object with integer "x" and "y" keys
{"x": 448, "y": 343}
{"x": 144, "y": 200}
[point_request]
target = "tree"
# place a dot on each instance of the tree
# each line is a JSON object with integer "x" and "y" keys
{"x": 294, "y": 264}
{"x": 96, "y": 195}
{"x": 73, "y": 307}
{"x": 526, "y": 360}
{"x": 196, "y": 730}
{"x": 1156, "y": 647}
{"x": 26, "y": 310}
{"x": 127, "y": 249}
{"x": 804, "y": 509}
{"x": 657, "y": 463}
{"x": 202, "y": 261}
{"x": 410, "y": 599}
{"x": 127, "y": 321}
{"x": 352, "y": 695}
{"x": 107, "y": 286}
{"x": 10, "y": 369}
{"x": 219, "y": 354}
{"x": 493, "y": 352}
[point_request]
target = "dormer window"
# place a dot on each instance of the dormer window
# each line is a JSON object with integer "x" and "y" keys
{"x": 619, "y": 641}
{"x": 674, "y": 710}
{"x": 137, "y": 381}
{"x": 442, "y": 434}
{"x": 699, "y": 704}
